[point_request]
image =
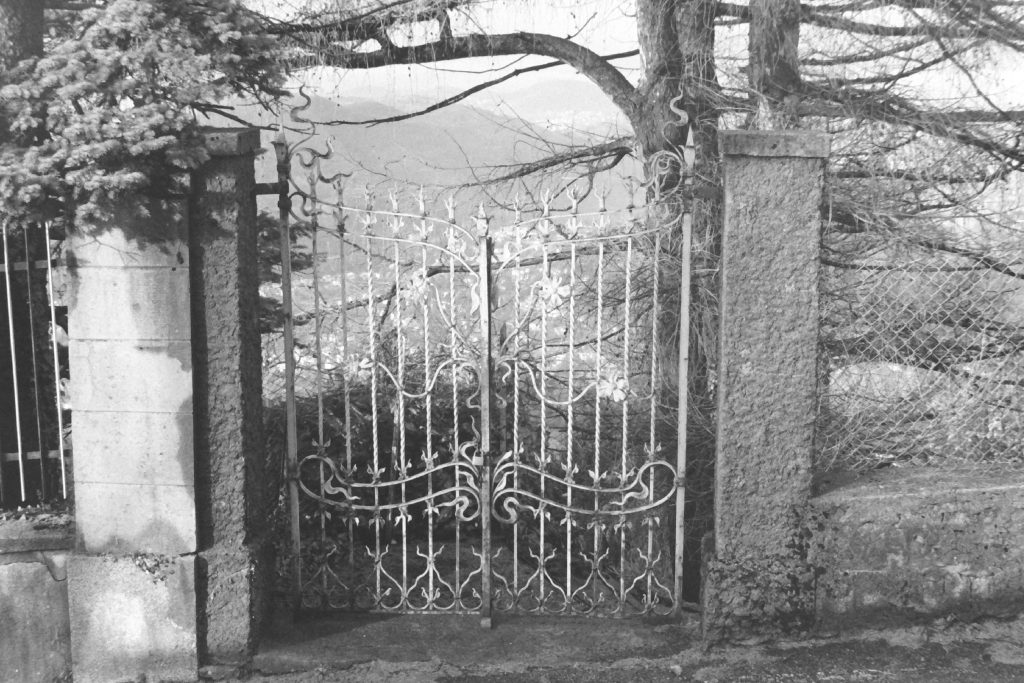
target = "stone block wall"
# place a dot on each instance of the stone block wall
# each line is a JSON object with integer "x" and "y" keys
{"x": 34, "y": 626}
{"x": 132, "y": 617}
{"x": 130, "y": 353}
{"x": 902, "y": 545}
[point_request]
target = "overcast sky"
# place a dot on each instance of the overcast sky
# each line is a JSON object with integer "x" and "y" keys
{"x": 606, "y": 26}
{"x": 602, "y": 25}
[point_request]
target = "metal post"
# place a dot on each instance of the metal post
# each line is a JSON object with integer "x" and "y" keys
{"x": 8, "y": 267}
{"x": 44, "y": 491}
{"x": 291, "y": 457}
{"x": 483, "y": 458}
{"x": 56, "y": 373}
{"x": 681, "y": 425}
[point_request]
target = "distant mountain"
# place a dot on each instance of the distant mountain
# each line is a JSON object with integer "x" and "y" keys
{"x": 564, "y": 103}
{"x": 448, "y": 152}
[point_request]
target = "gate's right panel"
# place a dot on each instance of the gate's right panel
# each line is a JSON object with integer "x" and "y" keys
{"x": 585, "y": 472}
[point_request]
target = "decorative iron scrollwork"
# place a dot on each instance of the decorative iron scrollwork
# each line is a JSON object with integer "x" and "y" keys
{"x": 339, "y": 489}
{"x": 634, "y": 495}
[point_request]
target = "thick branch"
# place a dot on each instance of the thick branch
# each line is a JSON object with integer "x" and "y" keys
{"x": 448, "y": 101}
{"x": 851, "y": 223}
{"x": 362, "y": 25}
{"x": 888, "y": 108}
{"x": 846, "y": 109}
{"x": 979, "y": 258}
{"x": 609, "y": 79}
{"x": 831, "y": 17}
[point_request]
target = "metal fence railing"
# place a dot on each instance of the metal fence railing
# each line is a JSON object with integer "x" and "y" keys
{"x": 34, "y": 405}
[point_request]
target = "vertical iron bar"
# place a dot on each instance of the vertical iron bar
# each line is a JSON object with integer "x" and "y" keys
{"x": 428, "y": 461}
{"x": 400, "y": 464}
{"x": 456, "y": 452}
{"x": 484, "y": 447}
{"x": 375, "y": 417}
{"x": 3, "y": 456}
{"x": 29, "y": 264}
{"x": 516, "y": 405}
{"x": 543, "y": 464}
{"x": 569, "y": 429}
{"x": 683, "y": 379}
{"x": 317, "y": 350}
{"x": 56, "y": 373}
{"x": 288, "y": 331}
{"x": 596, "y": 474}
{"x": 681, "y": 424}
{"x": 625, "y": 421}
{"x": 653, "y": 443}
{"x": 347, "y": 379}
{"x": 9, "y": 265}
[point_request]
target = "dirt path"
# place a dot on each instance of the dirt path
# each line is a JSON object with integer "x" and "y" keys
{"x": 456, "y": 650}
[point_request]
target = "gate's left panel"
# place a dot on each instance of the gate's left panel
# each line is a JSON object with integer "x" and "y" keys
{"x": 376, "y": 365}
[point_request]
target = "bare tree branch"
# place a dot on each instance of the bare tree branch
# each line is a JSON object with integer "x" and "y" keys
{"x": 448, "y": 101}
{"x": 592, "y": 65}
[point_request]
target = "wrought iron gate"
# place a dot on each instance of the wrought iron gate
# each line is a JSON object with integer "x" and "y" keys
{"x": 490, "y": 406}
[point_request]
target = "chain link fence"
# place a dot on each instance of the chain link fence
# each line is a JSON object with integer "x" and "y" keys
{"x": 922, "y": 345}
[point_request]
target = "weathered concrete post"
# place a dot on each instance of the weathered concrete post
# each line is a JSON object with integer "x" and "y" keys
{"x": 757, "y": 580}
{"x": 232, "y": 498}
{"x": 131, "y": 586}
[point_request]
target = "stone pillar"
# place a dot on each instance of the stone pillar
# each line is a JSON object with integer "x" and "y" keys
{"x": 171, "y": 508}
{"x": 131, "y": 589}
{"x": 234, "y": 505}
{"x": 757, "y": 580}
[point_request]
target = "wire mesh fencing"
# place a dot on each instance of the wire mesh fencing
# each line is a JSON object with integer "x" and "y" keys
{"x": 922, "y": 348}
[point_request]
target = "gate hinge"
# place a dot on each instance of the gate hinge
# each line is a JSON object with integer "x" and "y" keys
{"x": 271, "y": 188}
{"x": 291, "y": 471}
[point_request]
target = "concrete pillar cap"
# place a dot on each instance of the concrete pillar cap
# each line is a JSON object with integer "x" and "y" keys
{"x": 774, "y": 143}
{"x": 230, "y": 142}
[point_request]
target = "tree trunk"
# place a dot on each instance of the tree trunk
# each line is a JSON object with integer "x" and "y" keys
{"x": 21, "y": 31}
{"x": 21, "y": 37}
{"x": 774, "y": 71}
{"x": 677, "y": 44}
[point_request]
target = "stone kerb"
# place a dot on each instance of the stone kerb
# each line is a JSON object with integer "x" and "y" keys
{"x": 34, "y": 630}
{"x": 757, "y": 579}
